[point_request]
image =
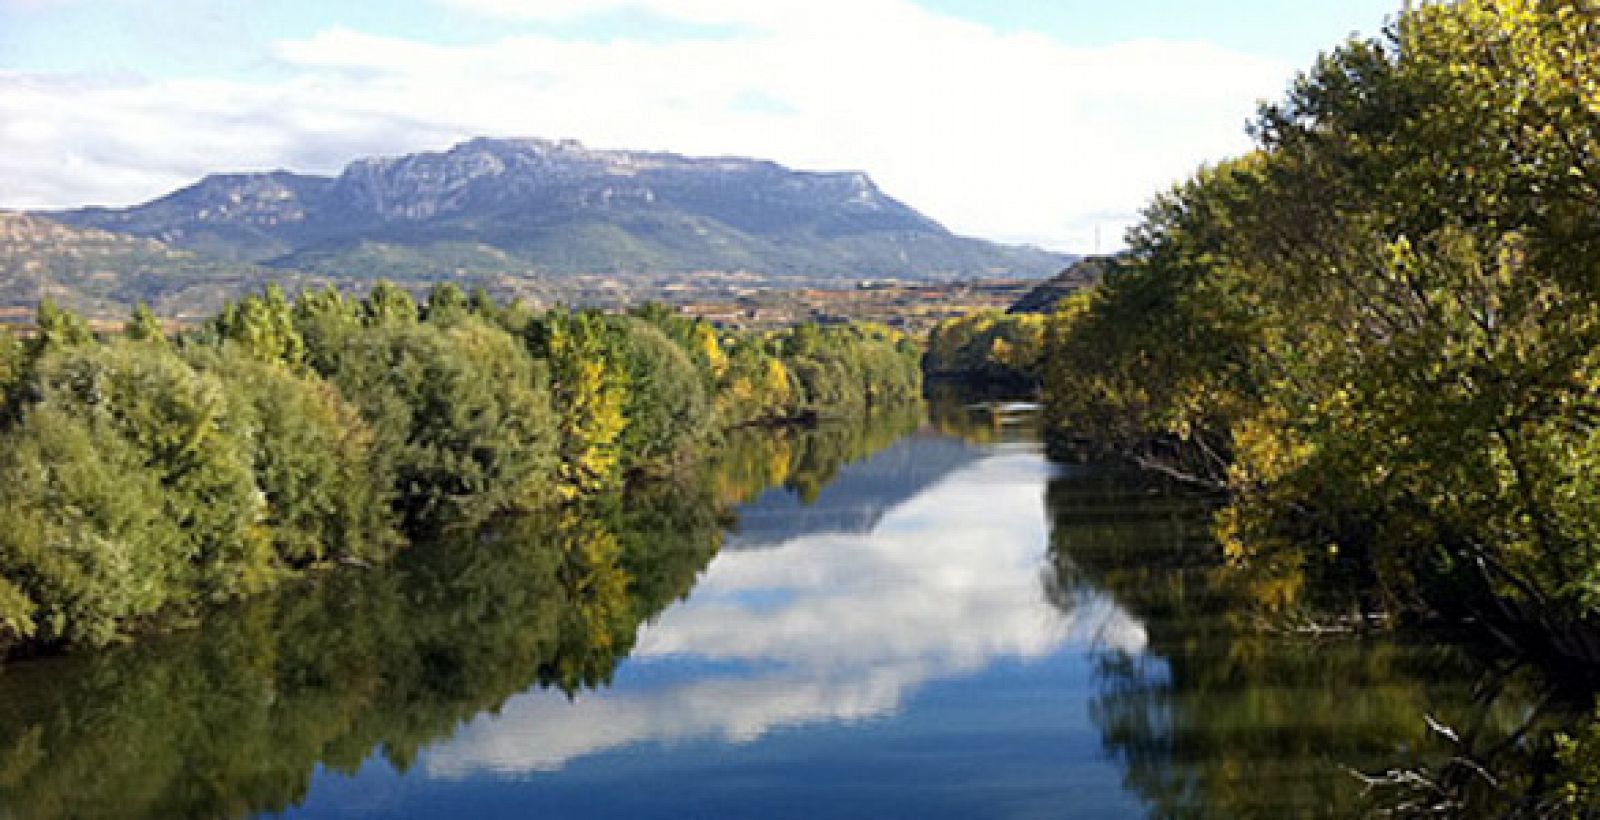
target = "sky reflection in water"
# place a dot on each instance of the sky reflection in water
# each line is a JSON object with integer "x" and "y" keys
{"x": 832, "y": 627}
{"x": 918, "y": 665}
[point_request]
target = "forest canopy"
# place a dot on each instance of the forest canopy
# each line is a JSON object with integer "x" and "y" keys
{"x": 144, "y": 475}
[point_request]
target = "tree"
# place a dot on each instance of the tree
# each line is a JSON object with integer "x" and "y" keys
{"x": 311, "y": 453}
{"x": 1379, "y": 329}
{"x": 142, "y": 476}
{"x": 589, "y": 388}
{"x": 264, "y": 326}
{"x": 755, "y": 386}
{"x": 143, "y": 326}
{"x": 125, "y": 490}
{"x": 483, "y": 305}
{"x": 326, "y": 320}
{"x": 667, "y": 409}
{"x": 86, "y": 539}
{"x": 446, "y": 303}
{"x": 387, "y": 304}
{"x": 59, "y": 328}
{"x": 461, "y": 417}
{"x": 13, "y": 368}
{"x": 706, "y": 349}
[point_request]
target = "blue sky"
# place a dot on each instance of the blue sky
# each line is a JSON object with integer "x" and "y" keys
{"x": 175, "y": 37}
{"x": 1027, "y": 121}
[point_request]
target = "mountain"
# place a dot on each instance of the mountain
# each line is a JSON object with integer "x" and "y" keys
{"x": 103, "y": 274}
{"x": 535, "y": 207}
{"x": 1084, "y": 273}
{"x": 855, "y": 501}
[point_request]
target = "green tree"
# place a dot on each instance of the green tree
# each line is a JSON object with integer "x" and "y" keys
{"x": 59, "y": 328}
{"x": 85, "y": 537}
{"x": 387, "y": 304}
{"x": 13, "y": 368}
{"x": 127, "y": 491}
{"x": 143, "y": 326}
{"x": 326, "y": 320}
{"x": 461, "y": 418}
{"x": 311, "y": 452}
{"x": 1379, "y": 330}
{"x": 264, "y": 326}
{"x": 483, "y": 305}
{"x": 446, "y": 303}
{"x": 667, "y": 409}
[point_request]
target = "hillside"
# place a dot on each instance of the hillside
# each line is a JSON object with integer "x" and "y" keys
{"x": 1084, "y": 273}
{"x": 541, "y": 208}
{"x": 101, "y": 273}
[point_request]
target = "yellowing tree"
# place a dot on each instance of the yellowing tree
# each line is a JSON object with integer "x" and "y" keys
{"x": 589, "y": 390}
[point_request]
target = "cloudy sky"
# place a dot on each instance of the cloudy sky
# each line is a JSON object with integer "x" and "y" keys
{"x": 1017, "y": 120}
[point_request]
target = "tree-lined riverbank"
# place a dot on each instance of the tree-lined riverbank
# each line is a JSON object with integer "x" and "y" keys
{"x": 1376, "y": 340}
{"x": 1379, "y": 332}
{"x": 144, "y": 477}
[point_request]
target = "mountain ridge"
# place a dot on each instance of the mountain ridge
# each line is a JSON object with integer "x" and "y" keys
{"x": 555, "y": 208}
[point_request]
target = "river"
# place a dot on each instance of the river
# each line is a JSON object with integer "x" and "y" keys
{"x": 917, "y": 618}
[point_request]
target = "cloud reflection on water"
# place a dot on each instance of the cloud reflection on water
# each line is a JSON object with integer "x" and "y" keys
{"x": 823, "y": 629}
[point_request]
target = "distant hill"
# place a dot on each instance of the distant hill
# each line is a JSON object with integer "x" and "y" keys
{"x": 1084, "y": 273}
{"x": 101, "y": 273}
{"x": 540, "y": 208}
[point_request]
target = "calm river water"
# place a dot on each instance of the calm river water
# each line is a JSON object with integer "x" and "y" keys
{"x": 912, "y": 619}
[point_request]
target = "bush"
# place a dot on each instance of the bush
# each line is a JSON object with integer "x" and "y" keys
{"x": 86, "y": 539}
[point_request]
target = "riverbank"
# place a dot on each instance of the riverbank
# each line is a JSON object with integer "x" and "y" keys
{"x": 144, "y": 478}
{"x": 1395, "y": 390}
{"x": 907, "y": 597}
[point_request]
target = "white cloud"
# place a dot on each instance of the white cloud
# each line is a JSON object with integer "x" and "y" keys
{"x": 823, "y": 629}
{"x": 764, "y": 14}
{"x": 1006, "y": 136}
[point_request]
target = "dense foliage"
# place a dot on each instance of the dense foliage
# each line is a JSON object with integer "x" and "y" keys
{"x": 237, "y": 716}
{"x": 1379, "y": 332}
{"x": 988, "y": 347}
{"x": 144, "y": 476}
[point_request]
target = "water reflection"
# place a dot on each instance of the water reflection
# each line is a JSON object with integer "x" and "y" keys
{"x": 1218, "y": 718}
{"x": 909, "y": 618}
{"x": 238, "y": 715}
{"x": 828, "y": 626}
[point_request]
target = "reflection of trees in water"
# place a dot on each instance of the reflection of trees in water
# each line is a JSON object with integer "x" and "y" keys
{"x": 804, "y": 459}
{"x": 233, "y": 717}
{"x": 981, "y": 417}
{"x": 1222, "y": 718}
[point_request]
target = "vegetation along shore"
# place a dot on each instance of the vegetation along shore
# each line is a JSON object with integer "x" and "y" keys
{"x": 144, "y": 476}
{"x": 1375, "y": 340}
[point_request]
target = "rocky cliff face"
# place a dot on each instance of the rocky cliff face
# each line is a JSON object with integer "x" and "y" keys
{"x": 558, "y": 207}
